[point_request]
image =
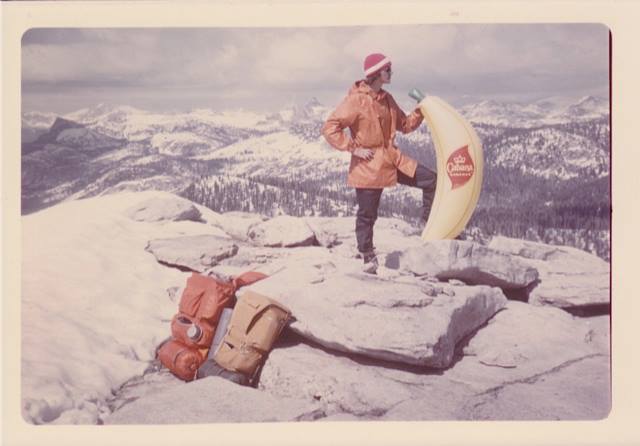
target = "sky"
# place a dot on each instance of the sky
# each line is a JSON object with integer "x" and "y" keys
{"x": 179, "y": 69}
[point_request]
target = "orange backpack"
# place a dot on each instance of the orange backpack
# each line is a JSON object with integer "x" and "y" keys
{"x": 193, "y": 327}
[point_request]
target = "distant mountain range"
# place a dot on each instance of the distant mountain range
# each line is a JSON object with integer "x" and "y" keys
{"x": 547, "y": 138}
{"x": 506, "y": 114}
{"x": 552, "y": 145}
{"x": 543, "y": 112}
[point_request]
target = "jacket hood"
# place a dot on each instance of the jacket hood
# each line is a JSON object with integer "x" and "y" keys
{"x": 361, "y": 87}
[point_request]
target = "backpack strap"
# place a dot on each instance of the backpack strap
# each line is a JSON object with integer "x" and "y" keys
{"x": 247, "y": 278}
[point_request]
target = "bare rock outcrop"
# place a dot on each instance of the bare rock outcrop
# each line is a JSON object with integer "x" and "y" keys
{"x": 467, "y": 261}
{"x": 576, "y": 390}
{"x": 403, "y": 321}
{"x": 345, "y": 385}
{"x": 523, "y": 341}
{"x": 501, "y": 363}
{"x": 282, "y": 232}
{"x": 238, "y": 224}
{"x": 432, "y": 337}
{"x": 325, "y": 234}
{"x": 213, "y": 400}
{"x": 169, "y": 207}
{"x": 569, "y": 277}
{"x": 391, "y": 234}
{"x": 195, "y": 253}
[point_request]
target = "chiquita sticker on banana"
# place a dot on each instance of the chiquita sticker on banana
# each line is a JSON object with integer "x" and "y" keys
{"x": 459, "y": 162}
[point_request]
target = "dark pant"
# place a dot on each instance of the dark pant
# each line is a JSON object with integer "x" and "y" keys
{"x": 369, "y": 200}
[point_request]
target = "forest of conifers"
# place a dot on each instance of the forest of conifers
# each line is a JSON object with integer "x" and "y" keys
{"x": 569, "y": 212}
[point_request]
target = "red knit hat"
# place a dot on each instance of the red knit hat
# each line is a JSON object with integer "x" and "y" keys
{"x": 374, "y": 63}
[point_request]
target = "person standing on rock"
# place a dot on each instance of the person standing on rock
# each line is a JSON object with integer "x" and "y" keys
{"x": 373, "y": 117}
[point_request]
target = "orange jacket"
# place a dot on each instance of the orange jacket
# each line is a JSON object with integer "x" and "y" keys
{"x": 357, "y": 111}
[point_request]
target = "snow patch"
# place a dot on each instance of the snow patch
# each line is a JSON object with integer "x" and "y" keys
{"x": 181, "y": 144}
{"x": 94, "y": 304}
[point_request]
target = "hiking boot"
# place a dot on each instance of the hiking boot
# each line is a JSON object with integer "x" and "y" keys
{"x": 370, "y": 262}
{"x": 361, "y": 255}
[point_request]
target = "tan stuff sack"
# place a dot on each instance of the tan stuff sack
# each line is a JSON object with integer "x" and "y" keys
{"x": 183, "y": 361}
{"x": 202, "y": 301}
{"x": 255, "y": 325}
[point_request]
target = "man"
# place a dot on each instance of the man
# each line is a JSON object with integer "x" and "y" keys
{"x": 373, "y": 117}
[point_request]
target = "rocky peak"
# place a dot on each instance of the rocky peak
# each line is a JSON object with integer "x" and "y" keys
{"x": 58, "y": 126}
{"x": 313, "y": 102}
{"x": 61, "y": 124}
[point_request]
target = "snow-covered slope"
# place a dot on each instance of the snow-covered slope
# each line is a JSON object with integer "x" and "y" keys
{"x": 508, "y": 115}
{"x": 107, "y": 148}
{"x": 550, "y": 152}
{"x": 543, "y": 112}
{"x": 182, "y": 144}
{"x": 135, "y": 125}
{"x": 588, "y": 107}
{"x": 279, "y": 154}
{"x": 35, "y": 119}
{"x": 94, "y": 303}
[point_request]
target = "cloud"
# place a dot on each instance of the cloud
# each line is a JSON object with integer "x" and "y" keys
{"x": 298, "y": 56}
{"x": 419, "y": 45}
{"x": 460, "y": 59}
{"x": 82, "y": 62}
{"x": 111, "y": 56}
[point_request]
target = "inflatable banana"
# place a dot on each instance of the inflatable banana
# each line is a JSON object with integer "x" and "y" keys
{"x": 459, "y": 166}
